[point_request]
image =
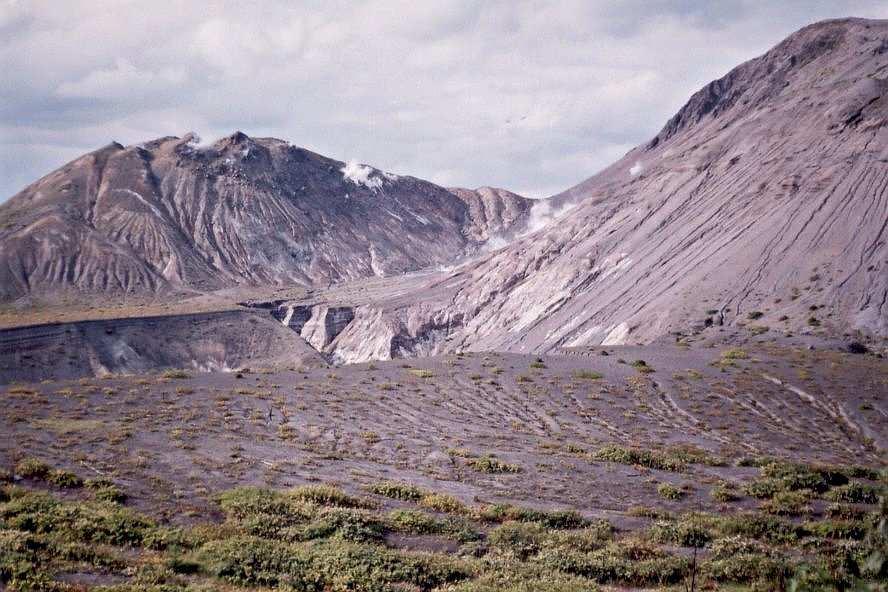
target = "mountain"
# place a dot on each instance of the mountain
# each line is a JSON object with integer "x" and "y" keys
{"x": 761, "y": 207}
{"x": 171, "y": 215}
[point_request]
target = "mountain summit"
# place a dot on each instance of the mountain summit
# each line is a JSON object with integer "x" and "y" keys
{"x": 172, "y": 215}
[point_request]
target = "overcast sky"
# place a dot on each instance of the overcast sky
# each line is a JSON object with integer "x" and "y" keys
{"x": 528, "y": 95}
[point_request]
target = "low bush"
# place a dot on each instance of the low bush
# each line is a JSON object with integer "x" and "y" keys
{"x": 64, "y": 479}
{"x": 492, "y": 465}
{"x": 670, "y": 492}
{"x": 854, "y": 493}
{"x": 32, "y": 468}
{"x": 788, "y": 503}
{"x": 396, "y": 490}
{"x": 634, "y": 456}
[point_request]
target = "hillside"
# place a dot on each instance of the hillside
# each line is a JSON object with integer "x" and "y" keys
{"x": 172, "y": 215}
{"x": 761, "y": 207}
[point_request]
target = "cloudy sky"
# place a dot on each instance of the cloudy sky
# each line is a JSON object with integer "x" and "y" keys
{"x": 529, "y": 95}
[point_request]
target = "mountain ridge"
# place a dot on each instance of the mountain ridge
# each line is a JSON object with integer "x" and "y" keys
{"x": 170, "y": 214}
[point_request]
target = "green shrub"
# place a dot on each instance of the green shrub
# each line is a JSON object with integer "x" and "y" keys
{"x": 763, "y": 488}
{"x": 32, "y": 468}
{"x": 328, "y": 495}
{"x": 64, "y": 479}
{"x": 836, "y": 529}
{"x": 844, "y": 512}
{"x": 489, "y": 464}
{"x": 634, "y": 456}
{"x": 249, "y": 502}
{"x": 626, "y": 563}
{"x": 669, "y": 491}
{"x": 788, "y": 503}
{"x": 759, "y": 526}
{"x": 642, "y": 367}
{"x": 587, "y": 375}
{"x": 521, "y": 539}
{"x": 558, "y": 519}
{"x": 173, "y": 373}
{"x": 357, "y": 526}
{"x": 724, "y": 493}
{"x": 255, "y": 561}
{"x": 396, "y": 490}
{"x": 686, "y": 533}
{"x": 441, "y": 502}
{"x": 854, "y": 493}
{"x": 745, "y": 568}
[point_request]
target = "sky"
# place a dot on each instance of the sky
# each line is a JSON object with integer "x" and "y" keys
{"x": 528, "y": 95}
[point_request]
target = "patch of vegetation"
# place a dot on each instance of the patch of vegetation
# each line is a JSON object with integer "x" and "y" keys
{"x": 642, "y": 367}
{"x": 397, "y": 490}
{"x": 64, "y": 479}
{"x": 328, "y": 495}
{"x": 670, "y": 492}
{"x": 754, "y": 314}
{"x": 441, "y": 502}
{"x": 734, "y": 354}
{"x": 492, "y": 465}
{"x": 788, "y": 503}
{"x": 558, "y": 519}
{"x": 32, "y": 468}
{"x": 176, "y": 374}
{"x": 587, "y": 375}
{"x": 421, "y": 373}
{"x": 644, "y": 458}
{"x": 724, "y": 493}
{"x": 855, "y": 493}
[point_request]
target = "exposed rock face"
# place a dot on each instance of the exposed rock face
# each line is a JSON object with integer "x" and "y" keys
{"x": 202, "y": 342}
{"x": 170, "y": 215}
{"x": 767, "y": 193}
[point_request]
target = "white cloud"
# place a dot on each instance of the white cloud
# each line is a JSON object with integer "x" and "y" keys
{"x": 121, "y": 81}
{"x": 636, "y": 169}
{"x": 525, "y": 95}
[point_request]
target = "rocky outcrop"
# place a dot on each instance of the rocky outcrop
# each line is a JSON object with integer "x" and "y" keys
{"x": 172, "y": 215}
{"x": 219, "y": 341}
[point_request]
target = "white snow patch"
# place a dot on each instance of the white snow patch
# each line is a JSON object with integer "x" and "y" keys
{"x": 617, "y": 336}
{"x": 636, "y": 169}
{"x": 420, "y": 218}
{"x": 286, "y": 320}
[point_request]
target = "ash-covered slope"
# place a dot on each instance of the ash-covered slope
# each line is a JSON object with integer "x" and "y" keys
{"x": 763, "y": 202}
{"x": 767, "y": 193}
{"x": 169, "y": 215}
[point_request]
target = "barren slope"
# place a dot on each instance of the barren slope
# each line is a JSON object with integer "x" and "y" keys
{"x": 172, "y": 215}
{"x": 763, "y": 202}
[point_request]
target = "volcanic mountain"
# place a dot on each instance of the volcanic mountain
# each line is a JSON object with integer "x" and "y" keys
{"x": 761, "y": 207}
{"x": 172, "y": 215}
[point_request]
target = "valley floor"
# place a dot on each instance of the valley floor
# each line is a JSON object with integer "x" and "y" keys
{"x": 626, "y": 435}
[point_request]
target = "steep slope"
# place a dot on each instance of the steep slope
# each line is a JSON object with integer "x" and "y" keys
{"x": 172, "y": 215}
{"x": 763, "y": 203}
{"x": 767, "y": 193}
